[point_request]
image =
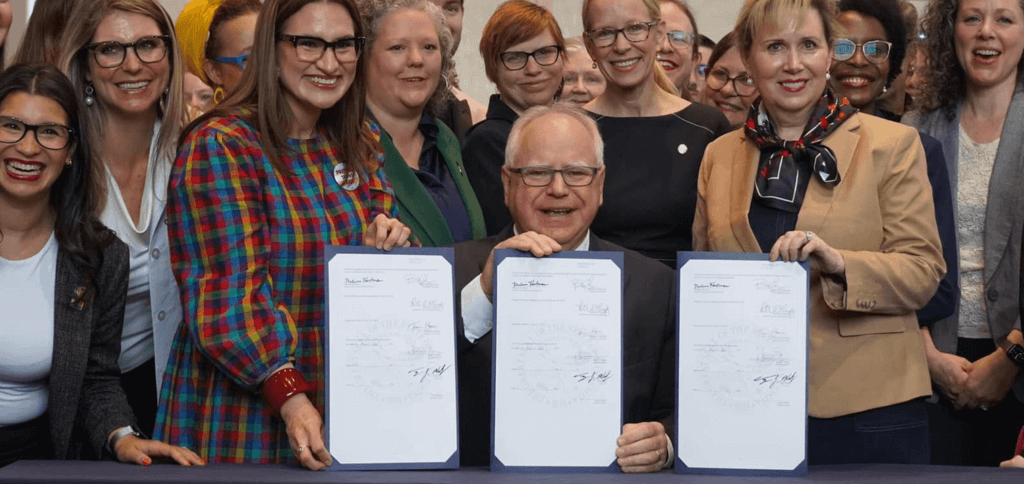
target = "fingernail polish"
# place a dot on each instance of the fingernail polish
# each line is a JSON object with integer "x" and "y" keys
{"x": 147, "y": 461}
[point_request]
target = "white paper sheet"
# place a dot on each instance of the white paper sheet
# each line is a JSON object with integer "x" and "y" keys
{"x": 558, "y": 362}
{"x": 742, "y": 364}
{"x": 392, "y": 394}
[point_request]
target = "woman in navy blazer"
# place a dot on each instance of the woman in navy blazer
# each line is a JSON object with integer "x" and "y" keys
{"x": 56, "y": 389}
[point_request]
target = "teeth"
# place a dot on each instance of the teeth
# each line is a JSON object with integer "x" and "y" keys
{"x": 559, "y": 211}
{"x": 793, "y": 85}
{"x": 133, "y": 86}
{"x": 987, "y": 52}
{"x": 25, "y": 168}
{"x": 323, "y": 80}
{"x": 667, "y": 64}
{"x": 625, "y": 63}
{"x": 727, "y": 107}
{"x": 855, "y": 80}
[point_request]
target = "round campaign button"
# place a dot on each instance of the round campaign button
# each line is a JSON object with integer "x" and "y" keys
{"x": 348, "y": 181}
{"x": 683, "y": 149}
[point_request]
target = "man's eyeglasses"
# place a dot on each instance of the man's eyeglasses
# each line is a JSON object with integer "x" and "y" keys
{"x": 542, "y": 176}
{"x": 637, "y": 32}
{"x": 516, "y": 60}
{"x": 50, "y": 136}
{"x": 112, "y": 53}
{"x": 876, "y": 51}
{"x": 743, "y": 84}
{"x": 311, "y": 49}
{"x": 238, "y": 60}
{"x": 680, "y": 39}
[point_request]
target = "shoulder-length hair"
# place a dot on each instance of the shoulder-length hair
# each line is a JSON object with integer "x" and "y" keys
{"x": 74, "y": 62}
{"x": 259, "y": 100}
{"x": 41, "y": 42}
{"x": 375, "y": 11}
{"x": 513, "y": 22}
{"x": 947, "y": 81}
{"x": 72, "y": 197}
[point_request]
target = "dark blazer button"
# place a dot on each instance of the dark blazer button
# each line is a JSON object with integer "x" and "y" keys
{"x": 993, "y": 294}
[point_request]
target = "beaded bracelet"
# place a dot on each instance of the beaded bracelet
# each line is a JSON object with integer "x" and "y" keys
{"x": 282, "y": 385}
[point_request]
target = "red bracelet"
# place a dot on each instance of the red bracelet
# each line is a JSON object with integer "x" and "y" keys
{"x": 1020, "y": 441}
{"x": 283, "y": 385}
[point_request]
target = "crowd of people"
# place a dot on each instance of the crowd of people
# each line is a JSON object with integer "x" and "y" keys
{"x": 167, "y": 190}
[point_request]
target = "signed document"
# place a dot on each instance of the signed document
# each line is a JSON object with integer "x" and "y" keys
{"x": 557, "y": 403}
{"x": 742, "y": 365}
{"x": 391, "y": 377}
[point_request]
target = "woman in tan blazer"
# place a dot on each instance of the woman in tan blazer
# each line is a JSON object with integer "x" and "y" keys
{"x": 809, "y": 177}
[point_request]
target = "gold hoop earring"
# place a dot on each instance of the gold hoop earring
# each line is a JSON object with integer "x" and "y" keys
{"x": 218, "y": 95}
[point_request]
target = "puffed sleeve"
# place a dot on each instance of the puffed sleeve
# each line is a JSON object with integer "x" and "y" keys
{"x": 220, "y": 246}
{"x": 903, "y": 273}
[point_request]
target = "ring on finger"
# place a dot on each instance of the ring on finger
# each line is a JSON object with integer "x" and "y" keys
{"x": 300, "y": 449}
{"x": 809, "y": 235}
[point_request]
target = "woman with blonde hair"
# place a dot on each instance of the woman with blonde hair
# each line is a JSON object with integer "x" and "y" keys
{"x": 123, "y": 59}
{"x": 654, "y": 140}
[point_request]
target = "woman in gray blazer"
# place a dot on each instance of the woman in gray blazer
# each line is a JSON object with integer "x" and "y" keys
{"x": 63, "y": 279}
{"x": 977, "y": 113}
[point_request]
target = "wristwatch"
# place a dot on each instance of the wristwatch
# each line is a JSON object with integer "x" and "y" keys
{"x": 1015, "y": 353}
{"x": 122, "y": 433}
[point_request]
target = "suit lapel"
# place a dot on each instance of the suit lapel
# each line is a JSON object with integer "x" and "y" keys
{"x": 742, "y": 190}
{"x": 1004, "y": 187}
{"x": 448, "y": 144}
{"x": 819, "y": 198}
{"x": 70, "y": 352}
{"x": 598, "y": 245}
{"x": 417, "y": 208}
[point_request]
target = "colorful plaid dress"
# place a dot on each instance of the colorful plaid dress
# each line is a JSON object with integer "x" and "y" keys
{"x": 246, "y": 249}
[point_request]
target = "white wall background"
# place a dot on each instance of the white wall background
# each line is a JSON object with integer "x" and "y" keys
{"x": 715, "y": 18}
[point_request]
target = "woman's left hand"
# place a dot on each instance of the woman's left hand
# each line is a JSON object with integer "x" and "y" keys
{"x": 386, "y": 233}
{"x": 131, "y": 449}
{"x": 798, "y": 245}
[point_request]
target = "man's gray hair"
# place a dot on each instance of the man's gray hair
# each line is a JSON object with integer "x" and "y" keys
{"x": 565, "y": 108}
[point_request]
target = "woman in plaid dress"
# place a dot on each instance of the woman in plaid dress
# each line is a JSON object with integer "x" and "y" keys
{"x": 282, "y": 167}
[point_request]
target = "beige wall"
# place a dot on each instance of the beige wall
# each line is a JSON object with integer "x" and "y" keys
{"x": 715, "y": 18}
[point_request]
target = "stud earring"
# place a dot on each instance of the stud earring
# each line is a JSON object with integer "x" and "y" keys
{"x": 89, "y": 91}
{"x": 885, "y": 89}
{"x": 828, "y": 76}
{"x": 594, "y": 65}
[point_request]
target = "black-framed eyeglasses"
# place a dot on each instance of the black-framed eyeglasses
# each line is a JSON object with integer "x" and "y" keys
{"x": 542, "y": 176}
{"x": 637, "y": 32}
{"x": 876, "y": 51}
{"x": 515, "y": 60}
{"x": 743, "y": 84}
{"x": 51, "y": 136}
{"x": 112, "y": 53}
{"x": 311, "y": 49}
{"x": 238, "y": 60}
{"x": 679, "y": 39}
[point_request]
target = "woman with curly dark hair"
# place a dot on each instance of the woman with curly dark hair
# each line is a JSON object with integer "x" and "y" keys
{"x": 977, "y": 113}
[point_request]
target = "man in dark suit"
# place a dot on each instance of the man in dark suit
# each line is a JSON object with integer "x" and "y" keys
{"x": 553, "y": 179}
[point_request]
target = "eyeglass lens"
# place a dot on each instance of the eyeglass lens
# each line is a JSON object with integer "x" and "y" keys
{"x": 112, "y": 53}
{"x": 637, "y": 32}
{"x": 49, "y": 136}
{"x": 516, "y": 60}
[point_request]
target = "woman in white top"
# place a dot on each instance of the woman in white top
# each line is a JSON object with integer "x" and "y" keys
{"x": 124, "y": 60}
{"x": 62, "y": 287}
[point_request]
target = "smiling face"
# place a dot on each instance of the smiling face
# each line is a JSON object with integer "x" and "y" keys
{"x": 134, "y": 87}
{"x": 789, "y": 60}
{"x": 453, "y": 13}
{"x": 311, "y": 87}
{"x": 625, "y": 64}
{"x": 559, "y": 211}
{"x": 678, "y": 63}
{"x": 236, "y": 38}
{"x": 29, "y": 170}
{"x": 726, "y": 100}
{"x": 583, "y": 81}
{"x": 989, "y": 40}
{"x": 533, "y": 85}
{"x": 405, "y": 64}
{"x": 859, "y": 79}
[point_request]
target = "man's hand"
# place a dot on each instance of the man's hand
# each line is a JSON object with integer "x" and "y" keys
{"x": 643, "y": 447}
{"x": 532, "y": 242}
{"x": 386, "y": 233}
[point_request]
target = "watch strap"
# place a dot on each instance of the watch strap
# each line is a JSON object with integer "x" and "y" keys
{"x": 120, "y": 434}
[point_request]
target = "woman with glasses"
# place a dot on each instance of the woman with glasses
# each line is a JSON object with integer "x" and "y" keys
{"x": 975, "y": 108}
{"x": 866, "y": 61}
{"x": 122, "y": 58}
{"x": 278, "y": 170}
{"x": 229, "y": 44}
{"x": 409, "y": 59}
{"x": 653, "y": 139}
{"x": 811, "y": 179}
{"x": 63, "y": 283}
{"x": 523, "y": 51}
{"x": 728, "y": 87}
{"x": 677, "y": 53}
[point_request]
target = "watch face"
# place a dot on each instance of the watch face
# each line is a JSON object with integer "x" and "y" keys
{"x": 1016, "y": 354}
